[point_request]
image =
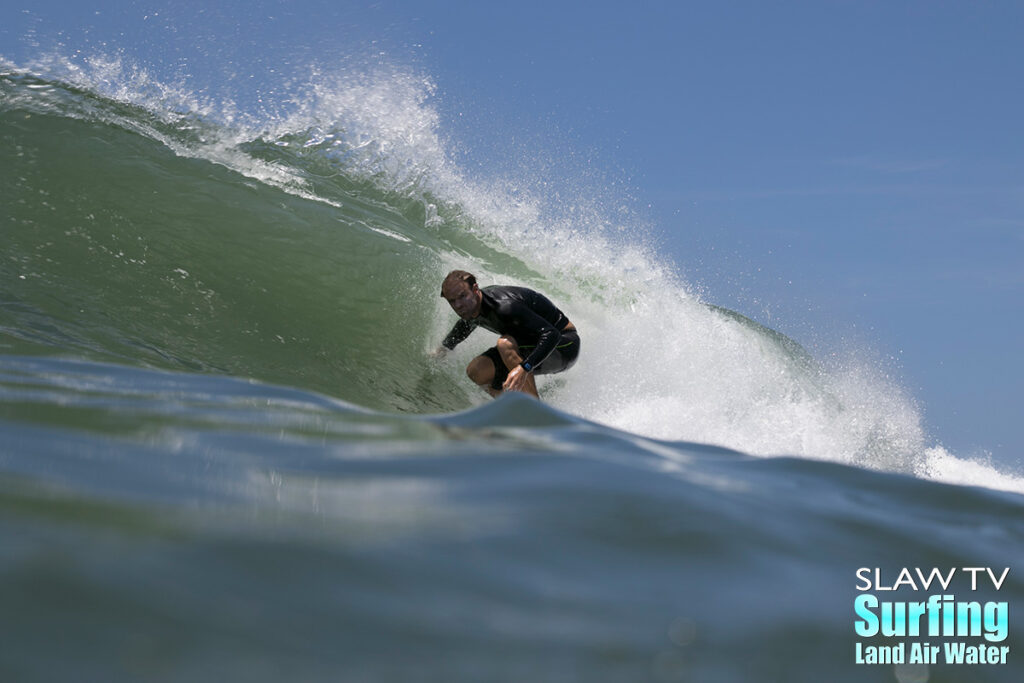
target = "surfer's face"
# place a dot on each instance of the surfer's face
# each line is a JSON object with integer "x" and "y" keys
{"x": 464, "y": 300}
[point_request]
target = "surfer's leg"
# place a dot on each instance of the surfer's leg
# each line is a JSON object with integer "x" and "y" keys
{"x": 509, "y": 350}
{"x": 482, "y": 371}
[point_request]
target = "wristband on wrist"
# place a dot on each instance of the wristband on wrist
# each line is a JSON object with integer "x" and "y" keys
{"x": 526, "y": 366}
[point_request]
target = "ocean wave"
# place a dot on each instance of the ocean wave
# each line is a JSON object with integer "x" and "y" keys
{"x": 149, "y": 226}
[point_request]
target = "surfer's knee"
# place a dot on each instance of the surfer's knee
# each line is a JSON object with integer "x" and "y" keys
{"x": 481, "y": 370}
{"x": 507, "y": 343}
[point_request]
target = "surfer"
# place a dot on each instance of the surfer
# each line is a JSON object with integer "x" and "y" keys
{"x": 536, "y": 338}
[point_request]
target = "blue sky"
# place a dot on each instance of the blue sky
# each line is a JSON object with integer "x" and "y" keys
{"x": 850, "y": 173}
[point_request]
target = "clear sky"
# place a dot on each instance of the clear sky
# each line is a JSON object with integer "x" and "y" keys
{"x": 850, "y": 173}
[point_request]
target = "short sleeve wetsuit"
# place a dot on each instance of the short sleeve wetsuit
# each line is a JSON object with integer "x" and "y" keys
{"x": 532, "y": 320}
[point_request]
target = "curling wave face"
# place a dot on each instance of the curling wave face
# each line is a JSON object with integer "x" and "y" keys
{"x": 147, "y": 227}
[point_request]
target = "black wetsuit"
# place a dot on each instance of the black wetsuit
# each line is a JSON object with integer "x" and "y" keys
{"x": 532, "y": 320}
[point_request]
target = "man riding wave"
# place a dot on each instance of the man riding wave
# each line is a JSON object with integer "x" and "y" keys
{"x": 536, "y": 338}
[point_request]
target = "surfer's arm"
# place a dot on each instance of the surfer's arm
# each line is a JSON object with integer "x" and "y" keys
{"x": 527, "y": 325}
{"x": 462, "y": 329}
{"x": 547, "y": 335}
{"x": 517, "y": 379}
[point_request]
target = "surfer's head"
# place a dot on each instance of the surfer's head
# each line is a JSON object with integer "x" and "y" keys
{"x": 461, "y": 292}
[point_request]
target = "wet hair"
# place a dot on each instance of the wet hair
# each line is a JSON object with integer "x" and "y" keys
{"x": 455, "y": 277}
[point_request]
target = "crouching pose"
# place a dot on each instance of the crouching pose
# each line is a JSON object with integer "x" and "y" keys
{"x": 535, "y": 337}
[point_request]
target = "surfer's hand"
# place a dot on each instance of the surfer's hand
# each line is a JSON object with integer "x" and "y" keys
{"x": 438, "y": 353}
{"x": 516, "y": 380}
